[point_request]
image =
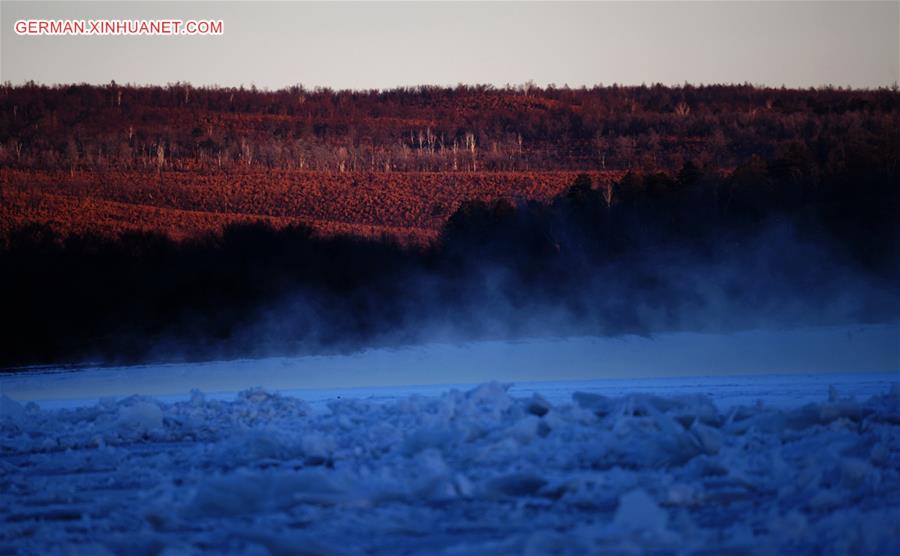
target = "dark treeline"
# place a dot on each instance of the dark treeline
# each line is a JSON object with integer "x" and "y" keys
{"x": 772, "y": 244}
{"x": 466, "y": 128}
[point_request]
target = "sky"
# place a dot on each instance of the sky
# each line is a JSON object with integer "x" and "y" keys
{"x": 351, "y": 45}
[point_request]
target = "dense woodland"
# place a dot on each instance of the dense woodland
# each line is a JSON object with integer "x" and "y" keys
{"x": 467, "y": 128}
{"x": 546, "y": 212}
{"x": 186, "y": 161}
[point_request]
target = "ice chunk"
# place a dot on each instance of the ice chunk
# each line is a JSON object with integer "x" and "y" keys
{"x": 470, "y": 472}
{"x": 710, "y": 439}
{"x": 260, "y": 493}
{"x": 537, "y": 405}
{"x": 140, "y": 416}
{"x": 317, "y": 447}
{"x": 600, "y": 405}
{"x": 11, "y": 410}
{"x": 515, "y": 484}
{"x": 259, "y": 446}
{"x": 638, "y": 512}
{"x": 894, "y": 393}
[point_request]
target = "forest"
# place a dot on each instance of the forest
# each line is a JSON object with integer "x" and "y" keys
{"x": 187, "y": 161}
{"x": 435, "y": 129}
{"x": 181, "y": 223}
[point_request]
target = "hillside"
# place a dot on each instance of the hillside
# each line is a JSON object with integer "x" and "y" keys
{"x": 186, "y": 161}
{"x": 408, "y": 206}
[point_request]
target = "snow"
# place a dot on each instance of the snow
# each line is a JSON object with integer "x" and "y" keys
{"x": 620, "y": 467}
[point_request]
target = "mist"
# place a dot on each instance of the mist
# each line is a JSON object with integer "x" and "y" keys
{"x": 705, "y": 254}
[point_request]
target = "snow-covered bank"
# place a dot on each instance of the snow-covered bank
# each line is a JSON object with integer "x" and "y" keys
{"x": 483, "y": 471}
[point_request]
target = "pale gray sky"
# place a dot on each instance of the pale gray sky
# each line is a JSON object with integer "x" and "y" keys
{"x": 381, "y": 45}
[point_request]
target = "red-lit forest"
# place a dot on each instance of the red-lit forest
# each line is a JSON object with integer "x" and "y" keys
{"x": 184, "y": 160}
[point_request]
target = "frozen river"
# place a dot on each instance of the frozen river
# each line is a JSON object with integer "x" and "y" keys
{"x": 308, "y": 456}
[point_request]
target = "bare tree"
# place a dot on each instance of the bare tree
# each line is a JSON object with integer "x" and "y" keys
{"x": 72, "y": 155}
{"x": 160, "y": 158}
{"x": 470, "y": 146}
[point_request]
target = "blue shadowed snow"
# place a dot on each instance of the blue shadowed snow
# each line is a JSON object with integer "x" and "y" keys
{"x": 320, "y": 461}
